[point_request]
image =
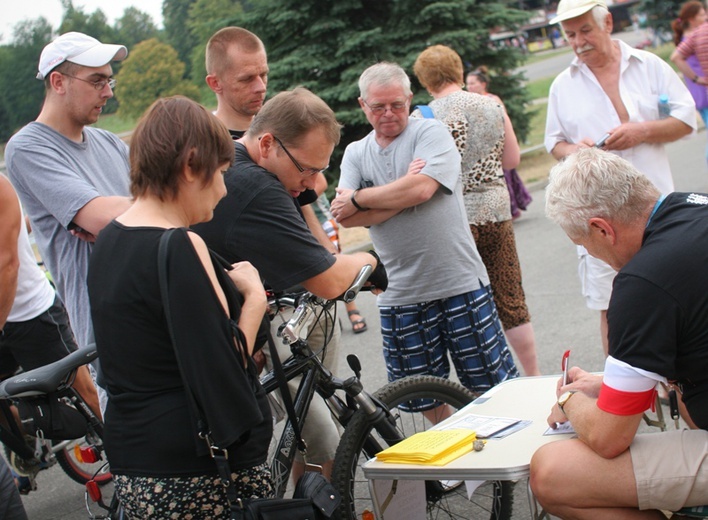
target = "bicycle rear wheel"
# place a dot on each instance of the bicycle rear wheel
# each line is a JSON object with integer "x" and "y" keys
{"x": 493, "y": 500}
{"x": 82, "y": 472}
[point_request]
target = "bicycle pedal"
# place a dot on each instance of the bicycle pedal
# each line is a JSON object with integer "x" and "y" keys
{"x": 24, "y": 483}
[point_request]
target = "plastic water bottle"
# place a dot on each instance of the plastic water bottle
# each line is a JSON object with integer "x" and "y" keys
{"x": 664, "y": 108}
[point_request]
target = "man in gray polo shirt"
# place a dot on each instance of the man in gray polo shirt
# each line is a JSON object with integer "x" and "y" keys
{"x": 71, "y": 179}
{"x": 403, "y": 180}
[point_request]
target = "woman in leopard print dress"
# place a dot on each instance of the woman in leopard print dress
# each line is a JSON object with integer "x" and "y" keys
{"x": 487, "y": 144}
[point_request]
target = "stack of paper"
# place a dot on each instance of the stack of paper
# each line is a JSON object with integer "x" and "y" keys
{"x": 435, "y": 447}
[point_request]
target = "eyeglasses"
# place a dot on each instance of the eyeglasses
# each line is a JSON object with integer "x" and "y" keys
{"x": 306, "y": 172}
{"x": 395, "y": 108}
{"x": 98, "y": 84}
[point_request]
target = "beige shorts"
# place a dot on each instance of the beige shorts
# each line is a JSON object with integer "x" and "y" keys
{"x": 671, "y": 469}
{"x": 595, "y": 280}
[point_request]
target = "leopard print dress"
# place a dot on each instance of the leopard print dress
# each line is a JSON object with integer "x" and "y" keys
{"x": 477, "y": 125}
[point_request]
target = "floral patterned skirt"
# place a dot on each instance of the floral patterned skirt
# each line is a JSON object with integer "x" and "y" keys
{"x": 188, "y": 498}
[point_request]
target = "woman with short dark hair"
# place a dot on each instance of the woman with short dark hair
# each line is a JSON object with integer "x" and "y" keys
{"x": 161, "y": 466}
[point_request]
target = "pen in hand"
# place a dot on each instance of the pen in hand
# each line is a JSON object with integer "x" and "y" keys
{"x": 564, "y": 366}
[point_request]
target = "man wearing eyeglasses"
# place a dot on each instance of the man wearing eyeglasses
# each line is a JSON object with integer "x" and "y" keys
{"x": 403, "y": 180}
{"x": 72, "y": 179}
{"x": 288, "y": 144}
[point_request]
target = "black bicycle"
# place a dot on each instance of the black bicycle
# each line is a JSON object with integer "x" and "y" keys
{"x": 56, "y": 426}
{"x": 371, "y": 422}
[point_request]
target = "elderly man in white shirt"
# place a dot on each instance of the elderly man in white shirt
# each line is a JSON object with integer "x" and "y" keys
{"x": 612, "y": 90}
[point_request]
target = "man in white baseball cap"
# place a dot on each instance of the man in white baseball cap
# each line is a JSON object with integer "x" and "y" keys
{"x": 612, "y": 90}
{"x": 72, "y": 179}
{"x": 80, "y": 49}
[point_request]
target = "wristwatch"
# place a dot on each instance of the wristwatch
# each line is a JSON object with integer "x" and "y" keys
{"x": 355, "y": 203}
{"x": 564, "y": 399}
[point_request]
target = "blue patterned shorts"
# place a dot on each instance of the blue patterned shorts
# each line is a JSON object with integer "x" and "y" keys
{"x": 418, "y": 337}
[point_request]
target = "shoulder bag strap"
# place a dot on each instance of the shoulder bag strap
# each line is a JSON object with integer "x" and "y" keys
{"x": 219, "y": 455}
{"x": 285, "y": 393}
{"x": 426, "y": 111}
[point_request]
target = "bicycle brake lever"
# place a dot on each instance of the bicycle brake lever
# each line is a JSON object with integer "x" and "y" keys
{"x": 354, "y": 364}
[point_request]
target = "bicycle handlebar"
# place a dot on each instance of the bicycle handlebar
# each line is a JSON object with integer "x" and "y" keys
{"x": 358, "y": 284}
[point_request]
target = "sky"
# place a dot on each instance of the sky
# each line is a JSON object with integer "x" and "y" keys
{"x": 14, "y": 11}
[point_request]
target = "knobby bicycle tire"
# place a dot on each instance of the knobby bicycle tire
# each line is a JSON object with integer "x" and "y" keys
{"x": 493, "y": 500}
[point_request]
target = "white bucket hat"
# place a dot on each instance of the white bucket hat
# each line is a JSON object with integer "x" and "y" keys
{"x": 568, "y": 9}
{"x": 78, "y": 48}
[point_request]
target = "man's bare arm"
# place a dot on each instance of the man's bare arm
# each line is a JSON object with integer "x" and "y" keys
{"x": 10, "y": 222}
{"x": 606, "y": 434}
{"x": 339, "y": 277}
{"x": 408, "y": 191}
{"x": 368, "y": 218}
{"x": 98, "y": 212}
{"x": 629, "y": 135}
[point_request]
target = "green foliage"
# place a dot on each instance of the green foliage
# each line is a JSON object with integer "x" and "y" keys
{"x": 134, "y": 27}
{"x": 21, "y": 94}
{"x": 94, "y": 24}
{"x": 151, "y": 71}
{"x": 660, "y": 14}
{"x": 175, "y": 17}
{"x": 325, "y": 46}
{"x": 205, "y": 18}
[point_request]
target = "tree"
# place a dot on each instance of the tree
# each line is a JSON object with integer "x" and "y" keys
{"x": 94, "y": 24}
{"x": 660, "y": 14}
{"x": 152, "y": 70}
{"x": 21, "y": 94}
{"x": 205, "y": 18}
{"x": 175, "y": 15}
{"x": 325, "y": 46}
{"x": 134, "y": 27}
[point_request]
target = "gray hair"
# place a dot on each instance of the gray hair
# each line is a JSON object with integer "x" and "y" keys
{"x": 384, "y": 73}
{"x": 594, "y": 183}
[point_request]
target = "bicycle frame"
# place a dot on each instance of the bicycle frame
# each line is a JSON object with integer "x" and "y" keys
{"x": 317, "y": 378}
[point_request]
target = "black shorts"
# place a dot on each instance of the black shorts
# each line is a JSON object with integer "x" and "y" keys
{"x": 36, "y": 342}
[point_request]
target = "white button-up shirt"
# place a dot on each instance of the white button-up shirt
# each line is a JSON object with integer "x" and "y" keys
{"x": 579, "y": 108}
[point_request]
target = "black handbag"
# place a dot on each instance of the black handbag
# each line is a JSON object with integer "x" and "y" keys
{"x": 314, "y": 497}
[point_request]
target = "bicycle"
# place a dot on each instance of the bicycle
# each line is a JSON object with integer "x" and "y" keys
{"x": 63, "y": 428}
{"x": 371, "y": 422}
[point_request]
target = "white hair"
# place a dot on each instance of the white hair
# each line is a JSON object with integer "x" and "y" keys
{"x": 384, "y": 73}
{"x": 594, "y": 183}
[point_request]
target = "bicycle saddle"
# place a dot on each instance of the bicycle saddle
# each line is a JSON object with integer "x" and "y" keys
{"x": 46, "y": 379}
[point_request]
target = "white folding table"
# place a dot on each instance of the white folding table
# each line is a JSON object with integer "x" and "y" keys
{"x": 526, "y": 398}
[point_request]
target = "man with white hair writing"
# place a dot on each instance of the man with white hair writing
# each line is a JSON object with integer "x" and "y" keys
{"x": 657, "y": 334}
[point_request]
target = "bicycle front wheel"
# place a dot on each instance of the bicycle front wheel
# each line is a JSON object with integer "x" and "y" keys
{"x": 445, "y": 500}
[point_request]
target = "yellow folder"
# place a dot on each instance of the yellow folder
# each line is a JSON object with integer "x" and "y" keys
{"x": 435, "y": 447}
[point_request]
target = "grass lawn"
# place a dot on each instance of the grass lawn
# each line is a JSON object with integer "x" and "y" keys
{"x": 116, "y": 124}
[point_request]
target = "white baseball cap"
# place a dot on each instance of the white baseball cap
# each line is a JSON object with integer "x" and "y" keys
{"x": 78, "y": 48}
{"x": 568, "y": 9}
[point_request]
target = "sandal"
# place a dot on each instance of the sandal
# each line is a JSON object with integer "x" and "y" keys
{"x": 361, "y": 321}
